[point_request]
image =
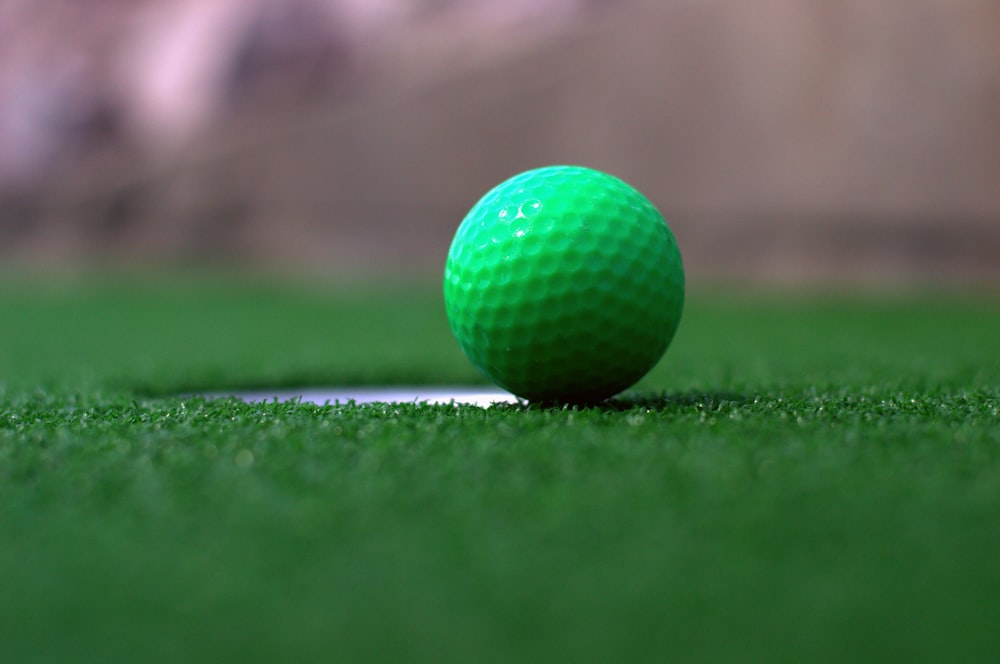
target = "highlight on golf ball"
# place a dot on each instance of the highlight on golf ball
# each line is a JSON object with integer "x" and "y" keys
{"x": 564, "y": 284}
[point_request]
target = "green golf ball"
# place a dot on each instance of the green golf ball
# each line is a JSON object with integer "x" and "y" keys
{"x": 564, "y": 284}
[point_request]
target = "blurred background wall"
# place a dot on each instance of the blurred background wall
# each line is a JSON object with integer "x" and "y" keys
{"x": 785, "y": 140}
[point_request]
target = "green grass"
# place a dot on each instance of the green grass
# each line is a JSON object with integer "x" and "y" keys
{"x": 801, "y": 479}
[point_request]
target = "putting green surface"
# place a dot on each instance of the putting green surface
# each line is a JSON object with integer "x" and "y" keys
{"x": 801, "y": 479}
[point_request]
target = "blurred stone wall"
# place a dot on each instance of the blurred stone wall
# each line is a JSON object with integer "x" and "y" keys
{"x": 833, "y": 140}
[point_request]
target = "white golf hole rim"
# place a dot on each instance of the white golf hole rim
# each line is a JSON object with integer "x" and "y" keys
{"x": 482, "y": 397}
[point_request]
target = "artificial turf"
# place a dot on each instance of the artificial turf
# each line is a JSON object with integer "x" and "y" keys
{"x": 803, "y": 478}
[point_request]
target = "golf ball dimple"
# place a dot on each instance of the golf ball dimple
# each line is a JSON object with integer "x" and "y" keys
{"x": 564, "y": 284}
